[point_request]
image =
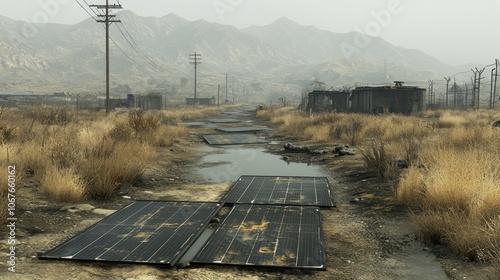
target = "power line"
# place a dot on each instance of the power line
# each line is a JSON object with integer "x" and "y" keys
{"x": 86, "y": 10}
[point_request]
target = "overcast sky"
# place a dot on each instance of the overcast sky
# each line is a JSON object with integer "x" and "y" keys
{"x": 453, "y": 31}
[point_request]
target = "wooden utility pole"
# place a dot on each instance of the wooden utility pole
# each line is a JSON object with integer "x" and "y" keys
{"x": 491, "y": 87}
{"x": 495, "y": 86}
{"x": 447, "y": 84}
{"x": 108, "y": 20}
{"x": 194, "y": 59}
{"x": 431, "y": 92}
{"x": 227, "y": 100}
{"x": 477, "y": 85}
{"x": 218, "y": 96}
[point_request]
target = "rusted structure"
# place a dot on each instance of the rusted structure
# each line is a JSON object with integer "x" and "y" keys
{"x": 326, "y": 101}
{"x": 396, "y": 99}
{"x": 201, "y": 101}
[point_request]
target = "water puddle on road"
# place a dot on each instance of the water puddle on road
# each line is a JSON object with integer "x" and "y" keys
{"x": 233, "y": 162}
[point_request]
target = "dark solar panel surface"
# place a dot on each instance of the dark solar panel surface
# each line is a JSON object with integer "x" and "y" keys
{"x": 242, "y": 129}
{"x": 266, "y": 235}
{"x": 225, "y": 121}
{"x": 153, "y": 232}
{"x": 233, "y": 139}
{"x": 313, "y": 191}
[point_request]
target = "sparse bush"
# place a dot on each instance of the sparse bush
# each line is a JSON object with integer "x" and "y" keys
{"x": 110, "y": 165}
{"x": 166, "y": 135}
{"x": 144, "y": 125}
{"x": 50, "y": 115}
{"x": 411, "y": 187}
{"x": 378, "y": 158}
{"x": 62, "y": 185}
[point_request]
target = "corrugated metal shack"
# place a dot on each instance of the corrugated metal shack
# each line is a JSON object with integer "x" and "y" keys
{"x": 326, "y": 101}
{"x": 201, "y": 101}
{"x": 396, "y": 99}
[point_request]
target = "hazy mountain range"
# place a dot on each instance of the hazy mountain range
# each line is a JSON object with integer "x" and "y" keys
{"x": 149, "y": 53}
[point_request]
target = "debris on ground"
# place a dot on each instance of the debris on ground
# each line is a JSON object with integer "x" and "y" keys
{"x": 344, "y": 150}
{"x": 496, "y": 123}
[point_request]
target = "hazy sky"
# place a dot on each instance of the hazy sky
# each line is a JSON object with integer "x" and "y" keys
{"x": 453, "y": 31}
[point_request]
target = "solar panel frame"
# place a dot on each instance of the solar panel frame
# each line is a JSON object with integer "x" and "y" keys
{"x": 242, "y": 129}
{"x": 222, "y": 120}
{"x": 233, "y": 139}
{"x": 267, "y": 236}
{"x": 286, "y": 190}
{"x": 154, "y": 239}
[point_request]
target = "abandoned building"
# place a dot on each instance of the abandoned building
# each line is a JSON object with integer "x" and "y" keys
{"x": 397, "y": 99}
{"x": 201, "y": 101}
{"x": 326, "y": 101}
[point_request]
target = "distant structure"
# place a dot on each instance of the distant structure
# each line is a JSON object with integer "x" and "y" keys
{"x": 397, "y": 99}
{"x": 201, "y": 101}
{"x": 326, "y": 101}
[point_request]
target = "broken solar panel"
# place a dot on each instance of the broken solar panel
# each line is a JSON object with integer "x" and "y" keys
{"x": 265, "y": 235}
{"x": 233, "y": 139}
{"x": 242, "y": 129}
{"x": 313, "y": 191}
{"x": 154, "y": 232}
{"x": 225, "y": 121}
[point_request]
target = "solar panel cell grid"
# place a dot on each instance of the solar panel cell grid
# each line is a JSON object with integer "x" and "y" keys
{"x": 314, "y": 191}
{"x": 264, "y": 235}
{"x": 144, "y": 232}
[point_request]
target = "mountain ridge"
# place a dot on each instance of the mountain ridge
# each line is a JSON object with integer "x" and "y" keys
{"x": 154, "y": 52}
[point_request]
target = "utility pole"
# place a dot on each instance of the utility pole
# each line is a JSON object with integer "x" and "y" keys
{"x": 194, "y": 59}
{"x": 495, "y": 87}
{"x": 491, "y": 87}
{"x": 108, "y": 20}
{"x": 227, "y": 100}
{"x": 431, "y": 91}
{"x": 218, "y": 96}
{"x": 447, "y": 83}
{"x": 466, "y": 103}
{"x": 234, "y": 95}
{"x": 477, "y": 85}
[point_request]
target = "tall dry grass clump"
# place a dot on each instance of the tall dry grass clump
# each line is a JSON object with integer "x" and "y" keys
{"x": 63, "y": 185}
{"x": 74, "y": 155}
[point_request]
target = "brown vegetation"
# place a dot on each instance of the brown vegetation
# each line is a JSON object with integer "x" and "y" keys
{"x": 453, "y": 180}
{"x": 75, "y": 155}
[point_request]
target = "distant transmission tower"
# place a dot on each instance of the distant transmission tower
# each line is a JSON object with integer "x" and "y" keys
{"x": 108, "y": 20}
{"x": 194, "y": 59}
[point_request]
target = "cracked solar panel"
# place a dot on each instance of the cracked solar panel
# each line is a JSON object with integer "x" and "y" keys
{"x": 225, "y": 121}
{"x": 153, "y": 232}
{"x": 233, "y": 139}
{"x": 242, "y": 129}
{"x": 308, "y": 191}
{"x": 266, "y": 235}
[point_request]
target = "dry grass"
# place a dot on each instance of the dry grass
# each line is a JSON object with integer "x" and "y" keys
{"x": 75, "y": 155}
{"x": 453, "y": 180}
{"x": 63, "y": 185}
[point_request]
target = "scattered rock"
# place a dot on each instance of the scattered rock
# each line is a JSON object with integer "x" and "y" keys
{"x": 296, "y": 149}
{"x": 126, "y": 197}
{"x": 354, "y": 200}
{"x": 344, "y": 150}
{"x": 77, "y": 208}
{"x": 105, "y": 212}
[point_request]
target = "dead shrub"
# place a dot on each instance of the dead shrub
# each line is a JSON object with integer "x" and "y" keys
{"x": 110, "y": 165}
{"x": 143, "y": 125}
{"x": 62, "y": 185}
{"x": 166, "y": 135}
{"x": 378, "y": 158}
{"x": 411, "y": 187}
{"x": 50, "y": 115}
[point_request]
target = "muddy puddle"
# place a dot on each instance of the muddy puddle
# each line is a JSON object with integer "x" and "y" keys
{"x": 229, "y": 163}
